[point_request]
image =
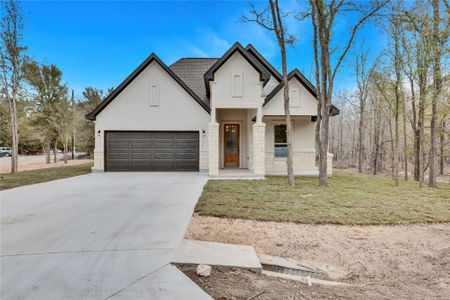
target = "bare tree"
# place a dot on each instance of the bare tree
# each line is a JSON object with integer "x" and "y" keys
{"x": 272, "y": 20}
{"x": 410, "y": 70}
{"x": 395, "y": 34}
{"x": 440, "y": 37}
{"x": 418, "y": 20}
{"x": 363, "y": 84}
{"x": 323, "y": 15}
{"x": 12, "y": 59}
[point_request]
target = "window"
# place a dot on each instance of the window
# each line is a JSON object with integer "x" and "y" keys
{"x": 236, "y": 85}
{"x": 280, "y": 140}
{"x": 154, "y": 95}
{"x": 294, "y": 97}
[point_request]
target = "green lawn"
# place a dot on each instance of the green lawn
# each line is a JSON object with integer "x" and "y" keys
{"x": 8, "y": 181}
{"x": 349, "y": 199}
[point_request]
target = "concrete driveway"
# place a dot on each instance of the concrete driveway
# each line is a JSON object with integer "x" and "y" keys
{"x": 97, "y": 236}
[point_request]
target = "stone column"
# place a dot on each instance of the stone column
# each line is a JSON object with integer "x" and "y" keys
{"x": 259, "y": 159}
{"x": 213, "y": 148}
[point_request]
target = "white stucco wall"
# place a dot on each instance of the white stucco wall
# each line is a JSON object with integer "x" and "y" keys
{"x": 270, "y": 86}
{"x": 131, "y": 110}
{"x": 303, "y": 146}
{"x": 221, "y": 87}
{"x": 303, "y": 133}
{"x": 307, "y": 107}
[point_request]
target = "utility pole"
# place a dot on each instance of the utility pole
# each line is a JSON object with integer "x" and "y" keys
{"x": 74, "y": 110}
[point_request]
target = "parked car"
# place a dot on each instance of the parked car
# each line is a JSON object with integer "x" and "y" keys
{"x": 5, "y": 151}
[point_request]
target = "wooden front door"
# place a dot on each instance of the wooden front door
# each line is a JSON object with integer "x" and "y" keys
{"x": 231, "y": 146}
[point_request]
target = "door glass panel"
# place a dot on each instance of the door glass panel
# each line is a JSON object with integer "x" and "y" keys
{"x": 231, "y": 147}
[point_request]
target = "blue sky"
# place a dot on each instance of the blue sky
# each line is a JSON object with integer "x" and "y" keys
{"x": 99, "y": 43}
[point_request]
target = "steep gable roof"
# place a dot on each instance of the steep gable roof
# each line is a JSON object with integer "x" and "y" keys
{"x": 263, "y": 62}
{"x": 306, "y": 83}
{"x": 237, "y": 47}
{"x": 153, "y": 57}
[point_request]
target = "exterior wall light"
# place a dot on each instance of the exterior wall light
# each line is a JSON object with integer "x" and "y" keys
{"x": 203, "y": 132}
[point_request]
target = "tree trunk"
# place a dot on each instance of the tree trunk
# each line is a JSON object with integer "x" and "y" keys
{"x": 396, "y": 150}
{"x": 280, "y": 34}
{"x": 55, "y": 160}
{"x": 391, "y": 141}
{"x": 405, "y": 140}
{"x": 47, "y": 152}
{"x": 436, "y": 93}
{"x": 416, "y": 137}
{"x": 360, "y": 138}
{"x": 441, "y": 149}
{"x": 421, "y": 129}
{"x": 65, "y": 151}
{"x": 323, "y": 176}
{"x": 15, "y": 136}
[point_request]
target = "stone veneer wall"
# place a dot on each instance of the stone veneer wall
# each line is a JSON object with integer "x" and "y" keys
{"x": 258, "y": 157}
{"x": 213, "y": 148}
{"x": 204, "y": 158}
{"x": 304, "y": 164}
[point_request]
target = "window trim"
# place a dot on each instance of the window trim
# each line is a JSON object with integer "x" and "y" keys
{"x": 275, "y": 143}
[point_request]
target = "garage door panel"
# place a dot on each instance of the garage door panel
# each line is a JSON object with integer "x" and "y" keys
{"x": 141, "y": 164}
{"x": 161, "y": 145}
{"x": 118, "y": 155}
{"x": 141, "y": 145}
{"x": 186, "y": 144}
{"x": 141, "y": 156}
{"x": 118, "y": 145}
{"x": 151, "y": 151}
{"x": 163, "y": 135}
{"x": 141, "y": 135}
{"x": 163, "y": 156}
{"x": 186, "y": 135}
{"x": 118, "y": 135}
{"x": 185, "y": 155}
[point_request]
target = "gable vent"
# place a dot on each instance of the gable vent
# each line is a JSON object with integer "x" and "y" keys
{"x": 294, "y": 97}
{"x": 154, "y": 94}
{"x": 237, "y": 85}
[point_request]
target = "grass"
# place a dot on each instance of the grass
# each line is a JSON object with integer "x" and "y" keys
{"x": 8, "y": 181}
{"x": 350, "y": 199}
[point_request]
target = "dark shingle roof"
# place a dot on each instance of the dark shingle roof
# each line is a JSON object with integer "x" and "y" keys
{"x": 191, "y": 71}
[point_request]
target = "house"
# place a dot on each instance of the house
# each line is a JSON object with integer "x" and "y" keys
{"x": 214, "y": 114}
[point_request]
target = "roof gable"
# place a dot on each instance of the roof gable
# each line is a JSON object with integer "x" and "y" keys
{"x": 153, "y": 57}
{"x": 263, "y": 62}
{"x": 237, "y": 47}
{"x": 305, "y": 82}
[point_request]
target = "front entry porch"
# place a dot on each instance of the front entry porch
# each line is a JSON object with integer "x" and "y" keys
{"x": 236, "y": 144}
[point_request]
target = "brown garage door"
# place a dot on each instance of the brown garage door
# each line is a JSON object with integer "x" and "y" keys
{"x": 151, "y": 151}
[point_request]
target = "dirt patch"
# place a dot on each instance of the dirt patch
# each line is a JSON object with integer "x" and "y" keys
{"x": 387, "y": 262}
{"x": 226, "y": 283}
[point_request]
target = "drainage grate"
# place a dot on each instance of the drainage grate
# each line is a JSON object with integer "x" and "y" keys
{"x": 298, "y": 272}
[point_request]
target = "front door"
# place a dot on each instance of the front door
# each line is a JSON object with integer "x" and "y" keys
{"x": 231, "y": 146}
